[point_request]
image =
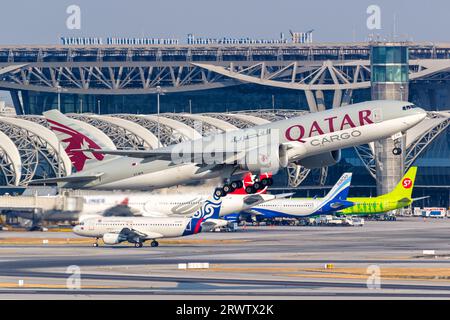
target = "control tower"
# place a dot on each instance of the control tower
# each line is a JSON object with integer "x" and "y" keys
{"x": 389, "y": 69}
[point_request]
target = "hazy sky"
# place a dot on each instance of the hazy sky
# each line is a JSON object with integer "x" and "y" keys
{"x": 44, "y": 21}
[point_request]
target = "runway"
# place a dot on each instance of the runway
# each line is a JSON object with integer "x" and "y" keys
{"x": 256, "y": 263}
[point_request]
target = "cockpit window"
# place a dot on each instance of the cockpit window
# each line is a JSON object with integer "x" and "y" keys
{"x": 408, "y": 107}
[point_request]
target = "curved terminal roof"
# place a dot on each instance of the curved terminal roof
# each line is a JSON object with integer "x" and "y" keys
{"x": 11, "y": 163}
{"x": 178, "y": 127}
{"x": 35, "y": 144}
{"x": 144, "y": 138}
{"x": 220, "y": 124}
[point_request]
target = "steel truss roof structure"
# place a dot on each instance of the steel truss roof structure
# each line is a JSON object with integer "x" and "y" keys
{"x": 111, "y": 70}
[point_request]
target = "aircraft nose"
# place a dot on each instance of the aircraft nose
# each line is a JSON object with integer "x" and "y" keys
{"x": 76, "y": 229}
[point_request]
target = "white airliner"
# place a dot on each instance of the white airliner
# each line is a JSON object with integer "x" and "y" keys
{"x": 312, "y": 140}
{"x": 163, "y": 205}
{"x": 137, "y": 230}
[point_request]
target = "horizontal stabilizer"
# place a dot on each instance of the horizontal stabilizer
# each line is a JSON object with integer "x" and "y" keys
{"x": 420, "y": 198}
{"x": 340, "y": 204}
{"x": 73, "y": 179}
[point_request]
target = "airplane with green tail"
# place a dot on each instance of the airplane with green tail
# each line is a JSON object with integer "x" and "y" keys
{"x": 398, "y": 198}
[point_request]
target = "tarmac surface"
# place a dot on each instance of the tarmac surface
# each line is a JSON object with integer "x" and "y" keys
{"x": 379, "y": 260}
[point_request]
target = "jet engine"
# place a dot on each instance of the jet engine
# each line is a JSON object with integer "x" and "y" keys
{"x": 320, "y": 160}
{"x": 265, "y": 159}
{"x": 112, "y": 238}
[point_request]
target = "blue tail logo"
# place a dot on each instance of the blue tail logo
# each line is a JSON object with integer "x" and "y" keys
{"x": 209, "y": 210}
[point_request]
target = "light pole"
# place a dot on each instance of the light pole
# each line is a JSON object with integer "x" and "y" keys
{"x": 98, "y": 106}
{"x": 59, "y": 89}
{"x": 158, "y": 92}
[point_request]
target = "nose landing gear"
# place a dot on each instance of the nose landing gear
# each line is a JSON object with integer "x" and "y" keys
{"x": 397, "y": 151}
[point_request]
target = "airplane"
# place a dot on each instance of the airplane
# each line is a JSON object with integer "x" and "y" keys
{"x": 398, "y": 198}
{"x": 335, "y": 200}
{"x": 137, "y": 230}
{"x": 312, "y": 140}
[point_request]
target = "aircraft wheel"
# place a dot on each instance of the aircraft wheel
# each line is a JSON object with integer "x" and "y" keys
{"x": 95, "y": 245}
{"x": 228, "y": 188}
{"x": 265, "y": 182}
{"x": 250, "y": 189}
{"x": 219, "y": 192}
{"x": 138, "y": 244}
{"x": 154, "y": 243}
{"x": 236, "y": 184}
{"x": 257, "y": 186}
{"x": 397, "y": 151}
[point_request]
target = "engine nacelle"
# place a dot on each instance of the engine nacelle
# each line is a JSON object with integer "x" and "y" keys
{"x": 112, "y": 238}
{"x": 320, "y": 160}
{"x": 265, "y": 159}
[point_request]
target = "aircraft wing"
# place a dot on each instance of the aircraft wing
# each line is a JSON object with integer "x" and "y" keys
{"x": 162, "y": 154}
{"x": 341, "y": 204}
{"x": 67, "y": 179}
{"x": 131, "y": 234}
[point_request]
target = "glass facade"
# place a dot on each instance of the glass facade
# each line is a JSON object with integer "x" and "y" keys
{"x": 233, "y": 98}
{"x": 389, "y": 64}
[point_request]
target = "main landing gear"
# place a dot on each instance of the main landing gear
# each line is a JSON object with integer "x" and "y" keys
{"x": 154, "y": 243}
{"x": 95, "y": 244}
{"x": 238, "y": 184}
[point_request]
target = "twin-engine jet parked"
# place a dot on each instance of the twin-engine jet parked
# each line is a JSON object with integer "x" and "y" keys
{"x": 312, "y": 140}
{"x": 137, "y": 230}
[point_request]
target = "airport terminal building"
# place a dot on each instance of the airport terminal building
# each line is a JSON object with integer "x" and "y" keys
{"x": 224, "y": 87}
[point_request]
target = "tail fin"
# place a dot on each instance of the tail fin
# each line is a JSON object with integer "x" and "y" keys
{"x": 74, "y": 136}
{"x": 210, "y": 208}
{"x": 336, "y": 199}
{"x": 405, "y": 187}
{"x": 207, "y": 217}
{"x": 340, "y": 189}
{"x": 249, "y": 180}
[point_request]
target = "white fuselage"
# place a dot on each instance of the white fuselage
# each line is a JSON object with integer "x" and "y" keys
{"x": 166, "y": 227}
{"x": 299, "y": 207}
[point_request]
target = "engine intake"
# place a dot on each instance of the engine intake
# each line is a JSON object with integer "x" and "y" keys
{"x": 111, "y": 238}
{"x": 265, "y": 159}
